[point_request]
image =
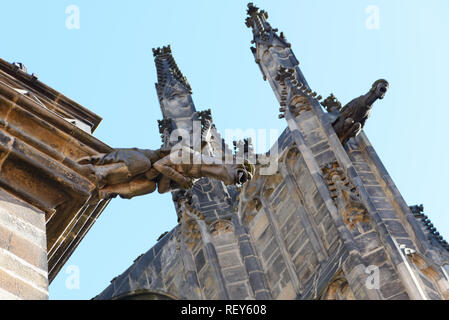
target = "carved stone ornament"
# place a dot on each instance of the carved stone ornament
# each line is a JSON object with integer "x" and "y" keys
{"x": 352, "y": 117}
{"x": 188, "y": 217}
{"x": 133, "y": 172}
{"x": 345, "y": 196}
{"x": 220, "y": 227}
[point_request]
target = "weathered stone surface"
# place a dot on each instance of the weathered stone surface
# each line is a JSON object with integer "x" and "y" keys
{"x": 44, "y": 194}
{"x": 296, "y": 234}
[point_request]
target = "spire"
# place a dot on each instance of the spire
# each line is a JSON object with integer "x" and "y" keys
{"x": 174, "y": 92}
{"x": 262, "y": 30}
{"x": 257, "y": 20}
{"x": 168, "y": 73}
{"x": 278, "y": 64}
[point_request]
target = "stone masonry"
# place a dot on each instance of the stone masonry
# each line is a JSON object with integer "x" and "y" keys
{"x": 329, "y": 224}
{"x": 45, "y": 200}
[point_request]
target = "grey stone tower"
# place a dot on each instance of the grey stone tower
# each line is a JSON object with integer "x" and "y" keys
{"x": 329, "y": 224}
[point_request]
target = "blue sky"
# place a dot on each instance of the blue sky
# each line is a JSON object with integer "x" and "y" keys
{"x": 107, "y": 66}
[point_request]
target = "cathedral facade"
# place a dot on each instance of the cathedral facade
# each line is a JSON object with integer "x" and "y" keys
{"x": 328, "y": 223}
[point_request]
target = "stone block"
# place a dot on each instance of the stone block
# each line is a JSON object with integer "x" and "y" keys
{"x": 382, "y": 203}
{"x": 235, "y": 274}
{"x": 230, "y": 259}
{"x": 258, "y": 225}
{"x": 263, "y": 295}
{"x": 238, "y": 291}
{"x": 320, "y": 214}
{"x": 362, "y": 167}
{"x": 368, "y": 178}
{"x": 252, "y": 263}
{"x": 274, "y": 271}
{"x": 368, "y": 242}
{"x": 325, "y": 158}
{"x": 375, "y": 191}
{"x": 9, "y": 262}
{"x": 320, "y": 148}
{"x": 290, "y": 223}
{"x": 314, "y": 137}
{"x": 246, "y": 248}
{"x": 291, "y": 237}
{"x": 400, "y": 296}
{"x": 257, "y": 280}
{"x": 376, "y": 258}
{"x": 29, "y": 252}
{"x": 297, "y": 245}
{"x": 387, "y": 214}
{"x": 269, "y": 249}
{"x": 287, "y": 293}
{"x": 396, "y": 229}
{"x": 20, "y": 288}
{"x": 26, "y": 230}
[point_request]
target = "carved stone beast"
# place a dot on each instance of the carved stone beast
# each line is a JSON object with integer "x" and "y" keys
{"x": 352, "y": 117}
{"x": 133, "y": 172}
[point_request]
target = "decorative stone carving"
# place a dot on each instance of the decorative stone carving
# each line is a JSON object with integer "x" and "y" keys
{"x": 351, "y": 118}
{"x": 133, "y": 172}
{"x": 345, "y": 196}
{"x": 429, "y": 271}
{"x": 295, "y": 95}
{"x": 331, "y": 104}
{"x": 291, "y": 156}
{"x": 252, "y": 208}
{"x": 430, "y": 230}
{"x": 205, "y": 117}
{"x": 338, "y": 289}
{"x": 243, "y": 149}
{"x": 188, "y": 217}
{"x": 165, "y": 129}
{"x": 220, "y": 227}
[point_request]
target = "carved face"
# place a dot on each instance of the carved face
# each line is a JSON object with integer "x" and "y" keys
{"x": 234, "y": 173}
{"x": 380, "y": 88}
{"x": 244, "y": 173}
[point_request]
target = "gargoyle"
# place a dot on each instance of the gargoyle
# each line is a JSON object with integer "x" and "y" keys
{"x": 349, "y": 121}
{"x": 133, "y": 172}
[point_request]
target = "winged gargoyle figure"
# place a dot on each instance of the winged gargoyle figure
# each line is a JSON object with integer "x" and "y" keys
{"x": 133, "y": 172}
{"x": 349, "y": 121}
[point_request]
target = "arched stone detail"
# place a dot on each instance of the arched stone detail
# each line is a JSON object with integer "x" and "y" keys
{"x": 299, "y": 104}
{"x": 252, "y": 208}
{"x": 291, "y": 156}
{"x": 431, "y": 273}
{"x": 338, "y": 289}
{"x": 220, "y": 227}
{"x": 145, "y": 294}
{"x": 270, "y": 185}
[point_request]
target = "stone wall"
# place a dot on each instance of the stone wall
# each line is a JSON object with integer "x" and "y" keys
{"x": 329, "y": 224}
{"x": 23, "y": 250}
{"x": 305, "y": 232}
{"x": 47, "y": 201}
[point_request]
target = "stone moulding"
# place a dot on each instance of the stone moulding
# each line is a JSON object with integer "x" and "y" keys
{"x": 38, "y": 152}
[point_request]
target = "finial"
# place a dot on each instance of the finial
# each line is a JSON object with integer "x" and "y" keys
{"x": 161, "y": 51}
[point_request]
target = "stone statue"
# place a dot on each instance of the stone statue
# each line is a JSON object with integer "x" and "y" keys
{"x": 349, "y": 121}
{"x": 133, "y": 172}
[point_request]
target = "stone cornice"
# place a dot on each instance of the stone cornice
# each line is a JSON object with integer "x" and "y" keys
{"x": 39, "y": 150}
{"x": 61, "y": 103}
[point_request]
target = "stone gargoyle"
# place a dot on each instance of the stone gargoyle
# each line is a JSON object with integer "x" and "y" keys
{"x": 134, "y": 172}
{"x": 349, "y": 121}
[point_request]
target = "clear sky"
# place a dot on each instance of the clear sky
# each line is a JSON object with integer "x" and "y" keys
{"x": 343, "y": 46}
